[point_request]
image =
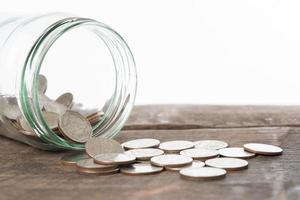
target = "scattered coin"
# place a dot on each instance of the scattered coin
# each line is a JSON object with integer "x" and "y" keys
{"x": 114, "y": 159}
{"x": 171, "y": 160}
{"x": 141, "y": 169}
{"x": 9, "y": 108}
{"x": 210, "y": 144}
{"x": 195, "y": 163}
{"x": 42, "y": 86}
{"x": 200, "y": 154}
{"x": 89, "y": 163}
{"x": 88, "y": 166}
{"x": 145, "y": 154}
{"x": 176, "y": 146}
{"x": 72, "y": 159}
{"x": 141, "y": 143}
{"x": 202, "y": 173}
{"x": 227, "y": 163}
{"x": 236, "y": 152}
{"x": 75, "y": 127}
{"x": 100, "y": 145}
{"x": 65, "y": 99}
{"x": 263, "y": 149}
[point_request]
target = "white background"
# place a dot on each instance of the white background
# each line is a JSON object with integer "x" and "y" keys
{"x": 204, "y": 52}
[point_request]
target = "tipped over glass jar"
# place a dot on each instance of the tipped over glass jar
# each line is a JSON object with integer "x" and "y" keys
{"x": 63, "y": 78}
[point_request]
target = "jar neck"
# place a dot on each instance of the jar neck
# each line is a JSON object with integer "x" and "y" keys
{"x": 121, "y": 102}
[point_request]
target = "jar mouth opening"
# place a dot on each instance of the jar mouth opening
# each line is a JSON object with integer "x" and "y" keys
{"x": 121, "y": 102}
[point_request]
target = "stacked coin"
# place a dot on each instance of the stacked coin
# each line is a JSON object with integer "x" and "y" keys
{"x": 200, "y": 160}
{"x": 59, "y": 115}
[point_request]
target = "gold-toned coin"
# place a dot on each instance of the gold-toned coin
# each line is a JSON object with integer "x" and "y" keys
{"x": 235, "y": 152}
{"x": 88, "y": 166}
{"x": 263, "y": 149}
{"x": 42, "y": 85}
{"x": 65, "y": 99}
{"x": 195, "y": 163}
{"x": 210, "y": 144}
{"x": 145, "y": 154}
{"x": 171, "y": 160}
{"x": 141, "y": 143}
{"x": 73, "y": 158}
{"x": 94, "y": 118}
{"x": 200, "y": 154}
{"x": 100, "y": 145}
{"x": 227, "y": 163}
{"x": 202, "y": 173}
{"x": 140, "y": 169}
{"x": 75, "y": 127}
{"x": 114, "y": 159}
{"x": 176, "y": 146}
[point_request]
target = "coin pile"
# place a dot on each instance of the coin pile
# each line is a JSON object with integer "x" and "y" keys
{"x": 199, "y": 160}
{"x": 60, "y": 115}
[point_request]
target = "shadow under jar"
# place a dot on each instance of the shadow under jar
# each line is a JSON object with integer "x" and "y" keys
{"x": 53, "y": 63}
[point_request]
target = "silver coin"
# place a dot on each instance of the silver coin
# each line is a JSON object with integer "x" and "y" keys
{"x": 263, "y": 149}
{"x": 203, "y": 173}
{"x": 100, "y": 145}
{"x": 141, "y": 143}
{"x": 145, "y": 154}
{"x": 9, "y": 107}
{"x": 195, "y": 163}
{"x": 65, "y": 99}
{"x": 235, "y": 152}
{"x": 176, "y": 146}
{"x": 201, "y": 154}
{"x": 171, "y": 160}
{"x": 75, "y": 127}
{"x": 24, "y": 124}
{"x": 89, "y": 163}
{"x": 73, "y": 158}
{"x": 210, "y": 144}
{"x": 140, "y": 169}
{"x": 50, "y": 105}
{"x": 95, "y": 117}
{"x": 51, "y": 119}
{"x": 227, "y": 163}
{"x": 42, "y": 86}
{"x": 114, "y": 159}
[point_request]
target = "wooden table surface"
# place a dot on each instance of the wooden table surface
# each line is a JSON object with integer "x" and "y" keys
{"x": 28, "y": 173}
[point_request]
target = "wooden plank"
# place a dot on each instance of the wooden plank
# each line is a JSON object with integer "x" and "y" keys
{"x": 28, "y": 173}
{"x": 195, "y": 116}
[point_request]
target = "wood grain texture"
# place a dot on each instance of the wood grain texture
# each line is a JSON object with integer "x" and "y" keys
{"x": 28, "y": 173}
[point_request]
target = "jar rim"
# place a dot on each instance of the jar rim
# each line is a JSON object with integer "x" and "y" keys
{"x": 126, "y": 80}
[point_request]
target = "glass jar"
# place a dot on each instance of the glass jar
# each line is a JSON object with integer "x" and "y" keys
{"x": 66, "y": 54}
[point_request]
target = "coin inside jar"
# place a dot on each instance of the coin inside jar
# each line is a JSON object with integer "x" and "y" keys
{"x": 145, "y": 154}
{"x": 176, "y": 146}
{"x": 203, "y": 173}
{"x": 100, "y": 145}
{"x": 75, "y": 127}
{"x": 263, "y": 149}
{"x": 171, "y": 160}
{"x": 65, "y": 99}
{"x": 141, "y": 143}
{"x": 114, "y": 159}
{"x": 195, "y": 163}
{"x": 210, "y": 144}
{"x": 201, "y": 154}
{"x": 235, "y": 152}
{"x": 141, "y": 169}
{"x": 42, "y": 86}
{"x": 72, "y": 159}
{"x": 227, "y": 163}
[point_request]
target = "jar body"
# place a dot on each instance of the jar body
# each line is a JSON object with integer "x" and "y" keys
{"x": 74, "y": 55}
